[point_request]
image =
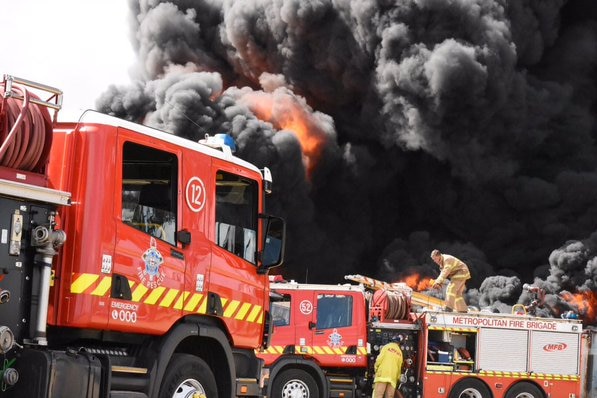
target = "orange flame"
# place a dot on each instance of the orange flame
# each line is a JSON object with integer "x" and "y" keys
{"x": 286, "y": 112}
{"x": 584, "y": 302}
{"x": 417, "y": 283}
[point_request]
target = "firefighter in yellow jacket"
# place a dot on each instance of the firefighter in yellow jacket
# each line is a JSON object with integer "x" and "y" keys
{"x": 388, "y": 368}
{"x": 458, "y": 273}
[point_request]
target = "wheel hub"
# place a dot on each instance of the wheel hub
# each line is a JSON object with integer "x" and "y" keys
{"x": 295, "y": 389}
{"x": 470, "y": 393}
{"x": 189, "y": 388}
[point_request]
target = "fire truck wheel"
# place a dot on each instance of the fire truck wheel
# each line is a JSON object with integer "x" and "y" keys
{"x": 186, "y": 376}
{"x": 524, "y": 390}
{"x": 470, "y": 388}
{"x": 293, "y": 383}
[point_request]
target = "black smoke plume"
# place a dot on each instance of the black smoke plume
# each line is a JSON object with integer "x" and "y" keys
{"x": 463, "y": 125}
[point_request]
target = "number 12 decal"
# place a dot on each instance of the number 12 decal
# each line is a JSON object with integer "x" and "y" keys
{"x": 195, "y": 194}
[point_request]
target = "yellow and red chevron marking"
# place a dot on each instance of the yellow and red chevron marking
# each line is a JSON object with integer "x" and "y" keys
{"x": 451, "y": 329}
{"x": 99, "y": 285}
{"x": 313, "y": 350}
{"x": 322, "y": 350}
{"x": 542, "y": 376}
{"x": 274, "y": 350}
{"x": 242, "y": 311}
{"x": 516, "y": 375}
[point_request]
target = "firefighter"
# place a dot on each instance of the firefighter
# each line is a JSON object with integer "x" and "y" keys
{"x": 458, "y": 273}
{"x": 388, "y": 368}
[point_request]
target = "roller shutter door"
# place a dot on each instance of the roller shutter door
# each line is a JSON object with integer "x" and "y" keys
{"x": 502, "y": 350}
{"x": 555, "y": 353}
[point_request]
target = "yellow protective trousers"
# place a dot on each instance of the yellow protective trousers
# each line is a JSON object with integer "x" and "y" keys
{"x": 454, "y": 298}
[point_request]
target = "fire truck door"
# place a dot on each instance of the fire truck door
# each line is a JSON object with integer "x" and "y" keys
{"x": 335, "y": 335}
{"x": 148, "y": 267}
{"x": 234, "y": 203}
{"x": 301, "y": 321}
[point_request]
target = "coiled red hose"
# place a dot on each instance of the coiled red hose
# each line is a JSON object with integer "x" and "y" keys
{"x": 387, "y": 304}
{"x": 25, "y": 132}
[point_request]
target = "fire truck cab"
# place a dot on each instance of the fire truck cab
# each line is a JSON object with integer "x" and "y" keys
{"x": 319, "y": 342}
{"x": 134, "y": 263}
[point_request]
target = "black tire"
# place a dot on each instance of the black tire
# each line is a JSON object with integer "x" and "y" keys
{"x": 524, "y": 390}
{"x": 187, "y": 374}
{"x": 292, "y": 381}
{"x": 470, "y": 388}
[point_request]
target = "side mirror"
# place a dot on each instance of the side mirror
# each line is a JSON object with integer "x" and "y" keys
{"x": 184, "y": 237}
{"x": 274, "y": 242}
{"x": 267, "y": 180}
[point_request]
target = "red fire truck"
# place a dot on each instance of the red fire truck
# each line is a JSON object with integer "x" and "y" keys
{"x": 326, "y": 339}
{"x": 133, "y": 262}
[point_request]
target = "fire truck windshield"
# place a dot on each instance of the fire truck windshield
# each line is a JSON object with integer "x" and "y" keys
{"x": 281, "y": 312}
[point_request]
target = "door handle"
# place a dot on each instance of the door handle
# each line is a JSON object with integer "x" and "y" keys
{"x": 176, "y": 254}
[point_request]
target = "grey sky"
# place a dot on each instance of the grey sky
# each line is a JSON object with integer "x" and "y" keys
{"x": 79, "y": 47}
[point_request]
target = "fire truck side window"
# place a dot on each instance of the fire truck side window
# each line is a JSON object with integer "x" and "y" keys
{"x": 281, "y": 312}
{"x": 149, "y": 179}
{"x": 236, "y": 215}
{"x": 334, "y": 311}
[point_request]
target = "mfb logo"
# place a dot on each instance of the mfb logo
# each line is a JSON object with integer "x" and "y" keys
{"x": 555, "y": 347}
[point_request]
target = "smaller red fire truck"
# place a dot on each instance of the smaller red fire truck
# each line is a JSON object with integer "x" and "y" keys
{"x": 326, "y": 339}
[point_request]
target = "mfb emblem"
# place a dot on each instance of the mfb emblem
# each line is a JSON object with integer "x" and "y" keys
{"x": 152, "y": 276}
{"x": 335, "y": 339}
{"x": 555, "y": 347}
